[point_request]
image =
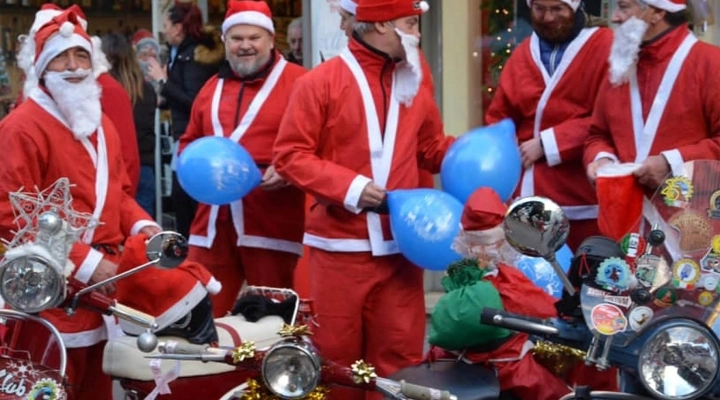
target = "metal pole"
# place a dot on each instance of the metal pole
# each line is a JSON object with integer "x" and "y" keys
{"x": 307, "y": 34}
{"x": 158, "y": 156}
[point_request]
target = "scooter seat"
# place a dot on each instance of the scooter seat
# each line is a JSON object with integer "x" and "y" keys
{"x": 466, "y": 381}
{"x": 122, "y": 358}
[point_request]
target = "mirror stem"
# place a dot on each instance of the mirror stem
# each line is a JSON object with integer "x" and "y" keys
{"x": 563, "y": 276}
{"x": 115, "y": 278}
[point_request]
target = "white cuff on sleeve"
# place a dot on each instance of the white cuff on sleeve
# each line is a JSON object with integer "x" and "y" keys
{"x": 88, "y": 266}
{"x": 352, "y": 197}
{"x": 605, "y": 154}
{"x": 141, "y": 224}
{"x": 550, "y": 146}
{"x": 675, "y": 160}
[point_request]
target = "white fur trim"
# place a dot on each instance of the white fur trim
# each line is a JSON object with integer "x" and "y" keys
{"x": 550, "y": 146}
{"x": 352, "y": 196}
{"x": 67, "y": 28}
{"x": 137, "y": 226}
{"x": 666, "y": 5}
{"x": 213, "y": 286}
{"x": 675, "y": 159}
{"x": 42, "y": 17}
{"x": 349, "y": 6}
{"x": 616, "y": 170}
{"x": 84, "y": 338}
{"x": 248, "y": 18}
{"x": 424, "y": 6}
{"x": 56, "y": 45}
{"x": 32, "y": 249}
{"x": 88, "y": 266}
{"x": 574, "y": 4}
{"x": 100, "y": 63}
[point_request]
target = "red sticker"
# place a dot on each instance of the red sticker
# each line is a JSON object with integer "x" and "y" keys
{"x": 608, "y": 319}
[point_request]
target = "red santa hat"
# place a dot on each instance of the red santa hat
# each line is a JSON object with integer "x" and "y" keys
{"x": 574, "y": 4}
{"x": 667, "y": 5}
{"x": 47, "y": 39}
{"x": 166, "y": 294}
{"x": 349, "y": 6}
{"x": 245, "y": 12}
{"x": 481, "y": 220}
{"x": 388, "y": 10}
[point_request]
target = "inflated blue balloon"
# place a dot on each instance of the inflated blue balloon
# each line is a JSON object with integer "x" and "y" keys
{"x": 542, "y": 273}
{"x": 216, "y": 170}
{"x": 424, "y": 223}
{"x": 485, "y": 156}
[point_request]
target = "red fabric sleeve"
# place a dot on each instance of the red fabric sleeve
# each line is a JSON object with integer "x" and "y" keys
{"x": 708, "y": 149}
{"x": 599, "y": 139}
{"x": 117, "y": 106}
{"x": 299, "y": 140}
{"x": 520, "y": 295}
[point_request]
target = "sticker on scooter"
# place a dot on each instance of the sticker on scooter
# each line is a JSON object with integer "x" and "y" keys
{"x": 632, "y": 245}
{"x": 640, "y": 316}
{"x": 705, "y": 298}
{"x": 677, "y": 191}
{"x": 709, "y": 281}
{"x": 665, "y": 297}
{"x": 711, "y": 260}
{"x": 686, "y": 273}
{"x": 608, "y": 319}
{"x": 613, "y": 274}
{"x": 623, "y": 301}
{"x": 46, "y": 389}
{"x": 714, "y": 210}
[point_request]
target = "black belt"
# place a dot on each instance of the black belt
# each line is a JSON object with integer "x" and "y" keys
{"x": 109, "y": 249}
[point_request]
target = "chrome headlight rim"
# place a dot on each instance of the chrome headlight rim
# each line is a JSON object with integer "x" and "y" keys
{"x": 54, "y": 300}
{"x": 648, "y": 346}
{"x": 304, "y": 349}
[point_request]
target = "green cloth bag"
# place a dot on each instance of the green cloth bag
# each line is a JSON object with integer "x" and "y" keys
{"x": 455, "y": 321}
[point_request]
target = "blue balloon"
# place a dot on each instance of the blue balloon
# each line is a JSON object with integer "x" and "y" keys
{"x": 216, "y": 170}
{"x": 424, "y": 223}
{"x": 542, "y": 273}
{"x": 486, "y": 156}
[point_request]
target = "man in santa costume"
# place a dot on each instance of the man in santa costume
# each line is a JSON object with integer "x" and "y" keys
{"x": 661, "y": 105}
{"x": 60, "y": 131}
{"x": 258, "y": 238}
{"x": 548, "y": 87}
{"x": 357, "y": 126}
{"x": 114, "y": 100}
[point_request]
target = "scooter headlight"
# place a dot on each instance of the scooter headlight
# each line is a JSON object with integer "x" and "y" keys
{"x": 291, "y": 369}
{"x": 31, "y": 284}
{"x": 679, "y": 361}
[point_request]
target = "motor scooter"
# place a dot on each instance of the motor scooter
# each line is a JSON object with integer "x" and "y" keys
{"x": 650, "y": 311}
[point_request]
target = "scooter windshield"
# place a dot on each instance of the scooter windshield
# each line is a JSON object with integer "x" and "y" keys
{"x": 658, "y": 279}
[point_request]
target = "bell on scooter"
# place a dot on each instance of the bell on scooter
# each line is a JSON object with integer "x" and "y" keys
{"x": 291, "y": 369}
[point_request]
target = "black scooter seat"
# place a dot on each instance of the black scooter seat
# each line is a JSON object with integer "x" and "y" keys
{"x": 466, "y": 381}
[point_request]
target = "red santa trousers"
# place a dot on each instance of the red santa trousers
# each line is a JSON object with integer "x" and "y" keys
{"x": 85, "y": 374}
{"x": 232, "y": 265}
{"x": 370, "y": 308}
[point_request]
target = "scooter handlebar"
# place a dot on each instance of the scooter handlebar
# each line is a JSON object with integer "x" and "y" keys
{"x": 173, "y": 347}
{"x": 517, "y": 322}
{"x": 418, "y": 392}
{"x": 132, "y": 315}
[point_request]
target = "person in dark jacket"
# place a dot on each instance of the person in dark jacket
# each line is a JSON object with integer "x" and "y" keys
{"x": 126, "y": 70}
{"x": 196, "y": 53}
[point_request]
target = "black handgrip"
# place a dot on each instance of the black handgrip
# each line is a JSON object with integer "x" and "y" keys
{"x": 382, "y": 208}
{"x": 517, "y": 322}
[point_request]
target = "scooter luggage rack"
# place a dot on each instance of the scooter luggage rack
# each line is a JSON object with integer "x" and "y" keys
{"x": 277, "y": 294}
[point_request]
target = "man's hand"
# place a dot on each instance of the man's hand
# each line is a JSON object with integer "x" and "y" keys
{"x": 531, "y": 151}
{"x": 372, "y": 196}
{"x": 653, "y": 171}
{"x": 106, "y": 269}
{"x": 150, "y": 231}
{"x": 156, "y": 71}
{"x": 271, "y": 180}
{"x": 593, "y": 167}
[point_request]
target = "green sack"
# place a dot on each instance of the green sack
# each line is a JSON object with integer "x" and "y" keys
{"x": 455, "y": 322}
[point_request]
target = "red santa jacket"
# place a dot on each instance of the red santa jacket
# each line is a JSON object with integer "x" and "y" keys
{"x": 40, "y": 149}
{"x": 330, "y": 144}
{"x": 557, "y": 109}
{"x": 249, "y": 111}
{"x": 675, "y": 110}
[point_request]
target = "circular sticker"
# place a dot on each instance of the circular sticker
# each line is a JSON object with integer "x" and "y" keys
{"x": 608, "y": 319}
{"x": 710, "y": 281}
{"x": 613, "y": 274}
{"x": 665, "y": 297}
{"x": 705, "y": 298}
{"x": 677, "y": 191}
{"x": 715, "y": 244}
{"x": 639, "y": 316}
{"x": 633, "y": 245}
{"x": 686, "y": 272}
{"x": 46, "y": 389}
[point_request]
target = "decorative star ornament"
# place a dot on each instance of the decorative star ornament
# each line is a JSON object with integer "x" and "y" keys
{"x": 294, "y": 331}
{"x": 363, "y": 372}
{"x": 243, "y": 352}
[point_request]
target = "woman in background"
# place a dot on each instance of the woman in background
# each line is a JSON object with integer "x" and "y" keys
{"x": 196, "y": 53}
{"x": 126, "y": 70}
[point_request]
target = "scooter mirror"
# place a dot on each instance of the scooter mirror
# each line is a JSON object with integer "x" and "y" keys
{"x": 167, "y": 249}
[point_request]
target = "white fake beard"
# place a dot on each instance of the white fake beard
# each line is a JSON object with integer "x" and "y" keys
{"x": 78, "y": 102}
{"x": 408, "y": 72}
{"x": 488, "y": 255}
{"x": 627, "y": 39}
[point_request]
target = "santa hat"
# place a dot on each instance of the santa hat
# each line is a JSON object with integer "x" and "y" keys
{"x": 349, "y": 6}
{"x": 245, "y": 12}
{"x": 667, "y": 5}
{"x": 143, "y": 37}
{"x": 574, "y": 4}
{"x": 388, "y": 10}
{"x": 46, "y": 37}
{"x": 166, "y": 294}
{"x": 481, "y": 220}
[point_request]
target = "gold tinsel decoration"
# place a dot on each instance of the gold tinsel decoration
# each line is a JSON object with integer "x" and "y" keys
{"x": 294, "y": 330}
{"x": 557, "y": 358}
{"x": 243, "y": 352}
{"x": 257, "y": 391}
{"x": 363, "y": 372}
